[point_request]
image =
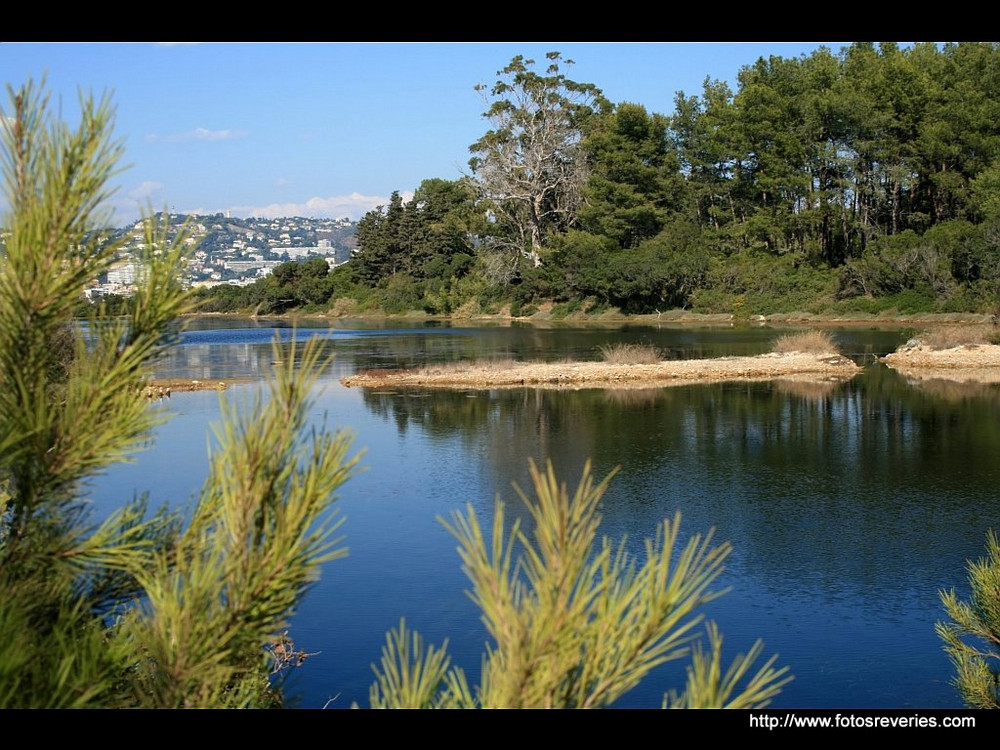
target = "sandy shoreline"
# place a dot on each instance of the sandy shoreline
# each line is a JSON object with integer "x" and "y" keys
{"x": 974, "y": 363}
{"x": 575, "y": 375}
{"x": 970, "y": 363}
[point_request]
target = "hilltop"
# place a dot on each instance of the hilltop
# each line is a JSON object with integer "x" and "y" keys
{"x": 232, "y": 250}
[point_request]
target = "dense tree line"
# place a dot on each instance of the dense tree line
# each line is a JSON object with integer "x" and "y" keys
{"x": 865, "y": 179}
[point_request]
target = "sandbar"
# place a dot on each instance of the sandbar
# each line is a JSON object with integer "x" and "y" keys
{"x": 576, "y": 375}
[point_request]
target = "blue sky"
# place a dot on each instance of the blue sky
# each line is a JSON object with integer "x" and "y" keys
{"x": 327, "y": 129}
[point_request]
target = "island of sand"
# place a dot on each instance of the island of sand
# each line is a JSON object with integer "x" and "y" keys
{"x": 965, "y": 363}
{"x": 164, "y": 387}
{"x": 576, "y": 375}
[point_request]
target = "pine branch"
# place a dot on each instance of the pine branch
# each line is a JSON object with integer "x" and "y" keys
{"x": 574, "y": 623}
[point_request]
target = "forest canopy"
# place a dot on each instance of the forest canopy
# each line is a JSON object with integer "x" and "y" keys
{"x": 866, "y": 179}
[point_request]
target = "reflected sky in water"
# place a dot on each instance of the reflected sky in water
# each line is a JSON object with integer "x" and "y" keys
{"x": 848, "y": 505}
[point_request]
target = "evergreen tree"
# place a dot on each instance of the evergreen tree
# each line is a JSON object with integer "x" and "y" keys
{"x": 148, "y": 610}
{"x": 380, "y": 242}
{"x": 972, "y": 637}
{"x": 635, "y": 185}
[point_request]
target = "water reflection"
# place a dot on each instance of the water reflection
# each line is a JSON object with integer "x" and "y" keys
{"x": 227, "y": 347}
{"x": 788, "y": 473}
{"x": 848, "y": 504}
{"x": 859, "y": 499}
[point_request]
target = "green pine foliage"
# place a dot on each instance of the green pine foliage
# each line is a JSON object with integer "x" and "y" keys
{"x": 972, "y": 636}
{"x": 142, "y": 609}
{"x": 858, "y": 181}
{"x": 576, "y": 622}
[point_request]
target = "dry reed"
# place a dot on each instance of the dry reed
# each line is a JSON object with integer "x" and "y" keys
{"x": 630, "y": 354}
{"x": 466, "y": 365}
{"x": 805, "y": 342}
{"x": 949, "y": 337}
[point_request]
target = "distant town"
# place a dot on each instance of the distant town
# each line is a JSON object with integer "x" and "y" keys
{"x": 230, "y": 250}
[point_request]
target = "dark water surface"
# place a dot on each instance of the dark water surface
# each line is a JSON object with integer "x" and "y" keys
{"x": 848, "y": 506}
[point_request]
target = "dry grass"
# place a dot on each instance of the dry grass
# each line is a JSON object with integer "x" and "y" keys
{"x": 806, "y": 342}
{"x": 949, "y": 337}
{"x": 630, "y": 354}
{"x": 479, "y": 365}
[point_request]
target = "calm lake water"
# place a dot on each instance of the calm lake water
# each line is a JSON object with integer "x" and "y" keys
{"x": 848, "y": 506}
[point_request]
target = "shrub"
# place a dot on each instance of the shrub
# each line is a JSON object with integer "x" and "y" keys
{"x": 399, "y": 294}
{"x": 659, "y": 273}
{"x": 559, "y": 311}
{"x": 949, "y": 337}
{"x": 630, "y": 354}
{"x": 578, "y": 267}
{"x": 806, "y": 342}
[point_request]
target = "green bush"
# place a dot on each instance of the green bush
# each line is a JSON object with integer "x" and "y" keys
{"x": 399, "y": 294}
{"x": 657, "y": 274}
{"x": 578, "y": 266}
{"x": 762, "y": 284}
{"x": 910, "y": 301}
{"x": 978, "y": 296}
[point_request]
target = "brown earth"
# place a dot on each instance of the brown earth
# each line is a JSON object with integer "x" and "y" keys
{"x": 575, "y": 375}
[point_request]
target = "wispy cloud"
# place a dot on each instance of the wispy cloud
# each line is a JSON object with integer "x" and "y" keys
{"x": 352, "y": 206}
{"x": 198, "y": 134}
{"x": 145, "y": 190}
{"x": 129, "y": 204}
